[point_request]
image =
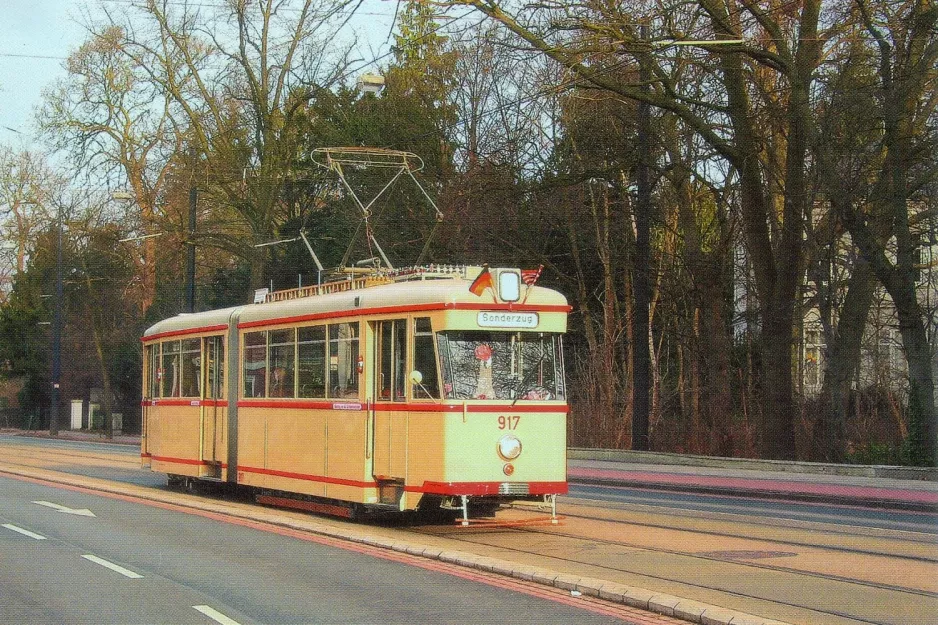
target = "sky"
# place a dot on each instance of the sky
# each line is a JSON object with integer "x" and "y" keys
{"x": 31, "y": 30}
{"x": 37, "y": 35}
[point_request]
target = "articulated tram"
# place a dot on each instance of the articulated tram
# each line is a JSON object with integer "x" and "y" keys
{"x": 426, "y": 388}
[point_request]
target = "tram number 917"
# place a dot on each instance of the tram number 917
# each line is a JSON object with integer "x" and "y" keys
{"x": 509, "y": 422}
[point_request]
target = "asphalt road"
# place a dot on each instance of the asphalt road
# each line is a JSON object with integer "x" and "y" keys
{"x": 134, "y": 563}
{"x": 838, "y": 514}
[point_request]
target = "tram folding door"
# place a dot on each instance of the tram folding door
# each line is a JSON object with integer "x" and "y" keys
{"x": 389, "y": 400}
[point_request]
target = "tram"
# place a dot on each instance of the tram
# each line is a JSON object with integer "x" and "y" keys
{"x": 436, "y": 387}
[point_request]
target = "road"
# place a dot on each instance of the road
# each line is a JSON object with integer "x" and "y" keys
{"x": 797, "y": 562}
{"x": 144, "y": 564}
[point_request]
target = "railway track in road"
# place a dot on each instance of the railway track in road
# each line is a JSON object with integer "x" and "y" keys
{"x": 810, "y": 569}
{"x": 30, "y": 455}
{"x": 50, "y": 456}
{"x": 904, "y": 544}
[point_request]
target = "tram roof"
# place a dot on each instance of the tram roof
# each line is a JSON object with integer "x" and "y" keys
{"x": 393, "y": 297}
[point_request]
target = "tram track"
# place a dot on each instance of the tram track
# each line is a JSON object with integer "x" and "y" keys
{"x": 922, "y": 537}
{"x": 741, "y": 595}
{"x": 702, "y": 557}
{"x": 52, "y": 456}
{"x": 560, "y": 541}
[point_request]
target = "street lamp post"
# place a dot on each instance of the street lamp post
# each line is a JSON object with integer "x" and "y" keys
{"x": 57, "y": 332}
{"x": 641, "y": 282}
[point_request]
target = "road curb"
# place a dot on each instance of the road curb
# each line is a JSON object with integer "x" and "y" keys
{"x": 659, "y": 603}
{"x": 928, "y": 474}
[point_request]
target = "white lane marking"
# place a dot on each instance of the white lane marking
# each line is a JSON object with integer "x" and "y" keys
{"x": 215, "y": 615}
{"x": 114, "y": 567}
{"x": 10, "y": 526}
{"x": 65, "y": 509}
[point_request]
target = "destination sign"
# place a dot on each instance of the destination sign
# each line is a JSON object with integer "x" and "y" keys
{"x": 502, "y": 319}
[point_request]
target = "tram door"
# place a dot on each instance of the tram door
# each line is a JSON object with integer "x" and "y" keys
{"x": 150, "y": 393}
{"x": 214, "y": 451}
{"x": 390, "y": 415}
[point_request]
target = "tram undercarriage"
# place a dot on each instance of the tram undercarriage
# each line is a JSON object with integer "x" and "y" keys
{"x": 462, "y": 509}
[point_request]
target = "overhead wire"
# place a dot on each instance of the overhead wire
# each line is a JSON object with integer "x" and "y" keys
{"x": 356, "y": 68}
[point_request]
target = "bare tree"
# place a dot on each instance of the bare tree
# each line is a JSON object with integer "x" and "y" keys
{"x": 239, "y": 77}
{"x": 26, "y": 183}
{"x": 771, "y": 72}
{"x": 114, "y": 124}
{"x": 904, "y": 39}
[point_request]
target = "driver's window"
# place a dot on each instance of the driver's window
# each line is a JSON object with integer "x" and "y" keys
{"x": 428, "y": 386}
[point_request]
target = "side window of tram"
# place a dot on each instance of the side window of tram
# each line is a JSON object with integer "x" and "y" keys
{"x": 282, "y": 362}
{"x": 343, "y": 359}
{"x": 191, "y": 355}
{"x": 215, "y": 352}
{"x": 153, "y": 370}
{"x": 425, "y": 361}
{"x": 170, "y": 371}
{"x": 255, "y": 364}
{"x": 311, "y": 350}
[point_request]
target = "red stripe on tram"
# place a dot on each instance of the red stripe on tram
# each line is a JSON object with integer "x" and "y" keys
{"x": 308, "y": 478}
{"x": 194, "y": 403}
{"x": 355, "y": 405}
{"x": 485, "y": 488}
{"x": 389, "y": 310}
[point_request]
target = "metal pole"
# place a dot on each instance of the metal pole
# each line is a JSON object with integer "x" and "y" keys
{"x": 190, "y": 264}
{"x": 641, "y": 356}
{"x": 57, "y": 333}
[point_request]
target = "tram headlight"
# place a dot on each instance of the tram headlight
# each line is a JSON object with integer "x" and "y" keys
{"x": 509, "y": 447}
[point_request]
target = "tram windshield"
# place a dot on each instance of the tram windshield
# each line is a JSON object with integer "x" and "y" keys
{"x": 516, "y": 366}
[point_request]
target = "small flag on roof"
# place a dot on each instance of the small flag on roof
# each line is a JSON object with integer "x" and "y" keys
{"x": 483, "y": 281}
{"x": 530, "y": 276}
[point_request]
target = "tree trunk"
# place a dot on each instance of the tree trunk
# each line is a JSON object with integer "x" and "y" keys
{"x": 841, "y": 359}
{"x": 714, "y": 341}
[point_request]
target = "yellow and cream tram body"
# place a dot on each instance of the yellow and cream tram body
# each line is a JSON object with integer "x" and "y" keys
{"x": 426, "y": 387}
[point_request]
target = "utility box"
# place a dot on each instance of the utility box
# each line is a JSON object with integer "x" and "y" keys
{"x": 117, "y": 423}
{"x": 77, "y": 412}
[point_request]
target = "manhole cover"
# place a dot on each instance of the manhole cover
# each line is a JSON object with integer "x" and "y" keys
{"x": 745, "y": 554}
